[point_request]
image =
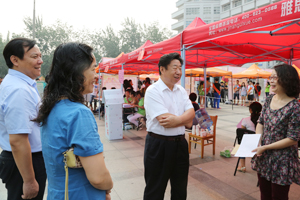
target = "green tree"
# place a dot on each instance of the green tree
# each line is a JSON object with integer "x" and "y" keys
{"x": 3, "y": 66}
{"x": 48, "y": 38}
{"x": 155, "y": 33}
{"x": 107, "y": 42}
{"x": 131, "y": 35}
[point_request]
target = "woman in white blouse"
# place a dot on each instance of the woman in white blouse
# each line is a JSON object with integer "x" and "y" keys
{"x": 250, "y": 123}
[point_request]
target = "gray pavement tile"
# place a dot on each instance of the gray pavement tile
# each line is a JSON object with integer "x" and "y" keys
{"x": 216, "y": 185}
{"x": 120, "y": 176}
{"x": 210, "y": 178}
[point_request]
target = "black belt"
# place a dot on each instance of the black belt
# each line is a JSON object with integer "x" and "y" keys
{"x": 176, "y": 138}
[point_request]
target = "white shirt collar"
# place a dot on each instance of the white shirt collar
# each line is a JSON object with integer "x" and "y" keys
{"x": 163, "y": 86}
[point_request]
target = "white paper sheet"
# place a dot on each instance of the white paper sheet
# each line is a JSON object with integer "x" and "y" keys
{"x": 249, "y": 142}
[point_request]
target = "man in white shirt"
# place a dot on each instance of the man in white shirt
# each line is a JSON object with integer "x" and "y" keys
{"x": 250, "y": 92}
{"x": 168, "y": 112}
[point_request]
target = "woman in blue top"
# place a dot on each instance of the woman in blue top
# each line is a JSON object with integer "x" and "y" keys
{"x": 67, "y": 122}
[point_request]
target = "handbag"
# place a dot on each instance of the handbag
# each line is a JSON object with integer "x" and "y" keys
{"x": 71, "y": 161}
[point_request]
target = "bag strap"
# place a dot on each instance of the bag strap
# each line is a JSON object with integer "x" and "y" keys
{"x": 67, "y": 178}
{"x": 66, "y": 183}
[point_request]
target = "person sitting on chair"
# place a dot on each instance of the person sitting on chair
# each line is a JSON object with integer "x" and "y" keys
{"x": 141, "y": 110}
{"x": 127, "y": 98}
{"x": 133, "y": 97}
{"x": 250, "y": 123}
{"x": 193, "y": 98}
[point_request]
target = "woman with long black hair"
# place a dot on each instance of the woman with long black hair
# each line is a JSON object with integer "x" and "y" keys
{"x": 67, "y": 122}
{"x": 276, "y": 160}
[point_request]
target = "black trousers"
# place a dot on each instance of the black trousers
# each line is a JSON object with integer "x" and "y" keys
{"x": 12, "y": 178}
{"x": 165, "y": 160}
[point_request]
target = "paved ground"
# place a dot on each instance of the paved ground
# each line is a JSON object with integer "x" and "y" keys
{"x": 209, "y": 178}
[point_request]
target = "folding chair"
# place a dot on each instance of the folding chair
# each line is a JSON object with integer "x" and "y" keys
{"x": 239, "y": 136}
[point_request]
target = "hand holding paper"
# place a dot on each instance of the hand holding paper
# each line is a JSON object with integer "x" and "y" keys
{"x": 248, "y": 144}
{"x": 259, "y": 150}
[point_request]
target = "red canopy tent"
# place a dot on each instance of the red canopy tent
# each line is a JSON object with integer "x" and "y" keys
{"x": 267, "y": 33}
{"x": 270, "y": 32}
{"x": 113, "y": 65}
{"x": 131, "y": 62}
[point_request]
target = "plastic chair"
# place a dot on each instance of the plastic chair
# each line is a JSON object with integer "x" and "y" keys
{"x": 211, "y": 139}
{"x": 239, "y": 136}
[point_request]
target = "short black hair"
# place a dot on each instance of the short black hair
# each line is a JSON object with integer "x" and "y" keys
{"x": 216, "y": 79}
{"x": 104, "y": 88}
{"x": 207, "y": 79}
{"x": 193, "y": 96}
{"x": 147, "y": 80}
{"x": 15, "y": 47}
{"x": 288, "y": 78}
{"x": 113, "y": 88}
{"x": 166, "y": 59}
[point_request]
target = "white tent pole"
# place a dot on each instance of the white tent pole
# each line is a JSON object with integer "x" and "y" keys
{"x": 232, "y": 100}
{"x": 205, "y": 86}
{"x": 123, "y": 81}
{"x": 291, "y": 57}
{"x": 183, "y": 66}
{"x": 100, "y": 87}
{"x": 190, "y": 84}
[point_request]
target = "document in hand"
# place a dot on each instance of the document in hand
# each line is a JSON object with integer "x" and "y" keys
{"x": 249, "y": 143}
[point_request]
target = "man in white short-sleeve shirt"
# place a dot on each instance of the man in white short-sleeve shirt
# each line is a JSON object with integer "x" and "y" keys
{"x": 168, "y": 112}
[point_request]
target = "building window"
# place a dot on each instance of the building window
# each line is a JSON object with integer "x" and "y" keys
{"x": 192, "y": 11}
{"x": 217, "y": 10}
{"x": 207, "y": 21}
{"x": 188, "y": 23}
{"x": 236, "y": 3}
{"x": 207, "y": 10}
{"x": 246, "y": 1}
{"x": 226, "y": 7}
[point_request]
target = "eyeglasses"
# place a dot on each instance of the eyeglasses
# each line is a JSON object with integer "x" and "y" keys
{"x": 275, "y": 78}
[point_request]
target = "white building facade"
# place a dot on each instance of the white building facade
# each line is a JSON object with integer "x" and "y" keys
{"x": 234, "y": 7}
{"x": 212, "y": 10}
{"x": 207, "y": 10}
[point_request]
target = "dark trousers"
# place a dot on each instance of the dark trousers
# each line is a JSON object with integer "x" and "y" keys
{"x": 164, "y": 160}
{"x": 12, "y": 178}
{"x": 222, "y": 96}
{"x": 272, "y": 191}
{"x": 225, "y": 95}
{"x": 267, "y": 94}
{"x": 216, "y": 100}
